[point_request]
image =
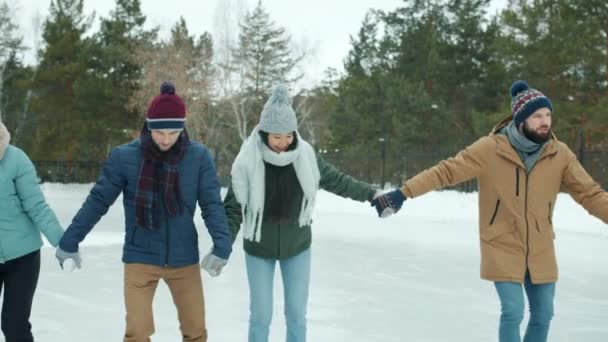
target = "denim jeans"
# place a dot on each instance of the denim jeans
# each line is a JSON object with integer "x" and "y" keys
{"x": 295, "y": 272}
{"x": 540, "y": 299}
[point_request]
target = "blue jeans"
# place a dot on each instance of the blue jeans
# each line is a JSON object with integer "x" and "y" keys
{"x": 295, "y": 272}
{"x": 540, "y": 299}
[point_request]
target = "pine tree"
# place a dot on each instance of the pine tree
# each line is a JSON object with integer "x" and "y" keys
{"x": 262, "y": 58}
{"x": 592, "y": 57}
{"x": 56, "y": 125}
{"x": 560, "y": 47}
{"x": 16, "y": 83}
{"x": 264, "y": 53}
{"x": 313, "y": 106}
{"x": 187, "y": 61}
{"x": 472, "y": 77}
{"x": 10, "y": 43}
{"x": 113, "y": 76}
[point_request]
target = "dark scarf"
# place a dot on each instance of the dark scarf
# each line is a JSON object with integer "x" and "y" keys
{"x": 158, "y": 172}
{"x": 283, "y": 198}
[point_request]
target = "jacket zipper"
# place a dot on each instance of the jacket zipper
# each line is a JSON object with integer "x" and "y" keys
{"x": 527, "y": 224}
{"x": 495, "y": 212}
{"x": 526, "y": 216}
{"x": 167, "y": 242}
{"x": 516, "y": 181}
{"x": 279, "y": 244}
{"x": 526, "y": 213}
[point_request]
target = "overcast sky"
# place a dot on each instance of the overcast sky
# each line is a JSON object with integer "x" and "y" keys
{"x": 321, "y": 27}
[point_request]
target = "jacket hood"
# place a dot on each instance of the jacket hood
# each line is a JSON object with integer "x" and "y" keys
{"x": 5, "y": 138}
{"x": 502, "y": 124}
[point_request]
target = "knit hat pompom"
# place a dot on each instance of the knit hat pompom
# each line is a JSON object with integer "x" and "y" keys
{"x": 277, "y": 115}
{"x": 518, "y": 86}
{"x": 280, "y": 94}
{"x": 167, "y": 88}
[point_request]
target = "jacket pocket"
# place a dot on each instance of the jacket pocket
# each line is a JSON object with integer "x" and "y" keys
{"x": 14, "y": 204}
{"x": 130, "y": 235}
{"x": 188, "y": 234}
{"x": 189, "y": 194}
{"x": 495, "y": 212}
{"x": 496, "y": 230}
{"x": 137, "y": 237}
{"x": 545, "y": 226}
{"x": 10, "y": 208}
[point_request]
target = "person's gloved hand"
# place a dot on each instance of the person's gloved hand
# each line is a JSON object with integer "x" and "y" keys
{"x": 213, "y": 264}
{"x": 62, "y": 256}
{"x": 388, "y": 203}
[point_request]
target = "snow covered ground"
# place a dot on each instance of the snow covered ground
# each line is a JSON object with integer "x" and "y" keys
{"x": 411, "y": 277}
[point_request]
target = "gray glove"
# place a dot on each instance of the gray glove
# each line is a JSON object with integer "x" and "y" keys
{"x": 62, "y": 256}
{"x": 213, "y": 264}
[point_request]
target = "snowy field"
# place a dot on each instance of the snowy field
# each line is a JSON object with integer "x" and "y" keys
{"x": 411, "y": 277}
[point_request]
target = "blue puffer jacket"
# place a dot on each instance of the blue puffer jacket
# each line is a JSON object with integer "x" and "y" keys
{"x": 175, "y": 244}
{"x": 24, "y": 212}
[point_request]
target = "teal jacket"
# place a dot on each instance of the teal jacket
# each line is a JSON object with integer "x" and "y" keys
{"x": 24, "y": 212}
{"x": 284, "y": 240}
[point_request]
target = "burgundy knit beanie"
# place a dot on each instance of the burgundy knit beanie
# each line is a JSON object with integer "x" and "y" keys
{"x": 167, "y": 110}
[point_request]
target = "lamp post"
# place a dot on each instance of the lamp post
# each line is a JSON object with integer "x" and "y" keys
{"x": 382, "y": 141}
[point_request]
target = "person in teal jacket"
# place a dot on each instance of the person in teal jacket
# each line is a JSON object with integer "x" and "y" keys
{"x": 24, "y": 213}
{"x": 275, "y": 179}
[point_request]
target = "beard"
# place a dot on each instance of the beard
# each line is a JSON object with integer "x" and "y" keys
{"x": 534, "y": 136}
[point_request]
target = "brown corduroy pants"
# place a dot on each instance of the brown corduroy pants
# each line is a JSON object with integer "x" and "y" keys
{"x": 186, "y": 286}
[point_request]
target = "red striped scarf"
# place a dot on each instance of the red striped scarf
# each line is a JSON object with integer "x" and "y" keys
{"x": 158, "y": 172}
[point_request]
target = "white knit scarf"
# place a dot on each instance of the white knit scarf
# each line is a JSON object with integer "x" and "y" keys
{"x": 248, "y": 180}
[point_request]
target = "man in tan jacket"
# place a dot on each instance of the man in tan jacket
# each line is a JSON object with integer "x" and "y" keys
{"x": 520, "y": 167}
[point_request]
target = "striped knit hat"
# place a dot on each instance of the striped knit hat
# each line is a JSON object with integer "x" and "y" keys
{"x": 525, "y": 101}
{"x": 167, "y": 110}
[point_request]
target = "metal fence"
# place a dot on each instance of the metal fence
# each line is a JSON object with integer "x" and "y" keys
{"x": 60, "y": 171}
{"x": 390, "y": 170}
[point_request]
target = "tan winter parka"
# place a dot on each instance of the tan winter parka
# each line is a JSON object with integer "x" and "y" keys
{"x": 515, "y": 207}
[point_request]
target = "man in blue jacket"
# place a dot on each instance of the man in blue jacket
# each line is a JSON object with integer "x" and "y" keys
{"x": 162, "y": 175}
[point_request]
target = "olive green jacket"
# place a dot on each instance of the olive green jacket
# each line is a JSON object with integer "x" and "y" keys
{"x": 284, "y": 240}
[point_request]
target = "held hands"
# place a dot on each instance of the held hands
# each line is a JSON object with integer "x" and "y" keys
{"x": 63, "y": 256}
{"x": 213, "y": 264}
{"x": 388, "y": 203}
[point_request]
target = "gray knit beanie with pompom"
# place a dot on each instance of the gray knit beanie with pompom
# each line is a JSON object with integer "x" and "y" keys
{"x": 277, "y": 116}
